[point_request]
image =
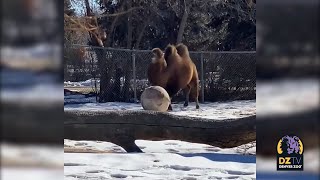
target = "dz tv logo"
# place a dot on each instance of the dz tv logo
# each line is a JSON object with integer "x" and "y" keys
{"x": 288, "y": 160}
{"x": 290, "y": 153}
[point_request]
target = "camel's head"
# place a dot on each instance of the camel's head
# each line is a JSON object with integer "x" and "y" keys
{"x": 157, "y": 53}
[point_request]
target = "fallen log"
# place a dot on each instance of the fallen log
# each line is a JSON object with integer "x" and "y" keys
{"x": 271, "y": 128}
{"x": 124, "y": 127}
{"x": 36, "y": 122}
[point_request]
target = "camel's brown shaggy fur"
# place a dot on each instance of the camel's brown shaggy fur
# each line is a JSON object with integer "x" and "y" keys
{"x": 179, "y": 69}
{"x": 174, "y": 70}
{"x": 157, "y": 68}
{"x": 193, "y": 86}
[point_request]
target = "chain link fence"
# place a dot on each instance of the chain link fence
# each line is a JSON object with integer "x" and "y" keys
{"x": 223, "y": 75}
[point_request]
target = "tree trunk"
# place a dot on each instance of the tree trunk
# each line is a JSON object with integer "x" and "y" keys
{"x": 129, "y": 24}
{"x": 88, "y": 9}
{"x": 109, "y": 36}
{"x": 129, "y": 62}
{"x": 104, "y": 76}
{"x": 183, "y": 22}
{"x": 112, "y": 27}
{"x": 145, "y": 24}
{"x": 101, "y": 56}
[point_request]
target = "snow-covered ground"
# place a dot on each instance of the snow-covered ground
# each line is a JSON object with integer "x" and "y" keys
{"x": 287, "y": 96}
{"x": 169, "y": 159}
{"x": 216, "y": 110}
{"x": 79, "y": 99}
{"x": 310, "y": 159}
{"x": 34, "y": 57}
{"x": 167, "y": 146}
{"x": 27, "y": 173}
{"x": 158, "y": 166}
{"x": 31, "y": 162}
{"x": 32, "y": 155}
{"x": 86, "y": 83}
{"x": 49, "y": 93}
{"x": 161, "y": 160}
{"x": 27, "y": 86}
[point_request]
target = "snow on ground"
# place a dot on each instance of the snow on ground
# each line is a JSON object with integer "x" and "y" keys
{"x": 28, "y": 86}
{"x": 33, "y": 57}
{"x": 79, "y": 99}
{"x": 31, "y": 155}
{"x": 287, "y": 96}
{"x": 158, "y": 166}
{"x": 166, "y": 146}
{"x": 169, "y": 159}
{"x": 310, "y": 159}
{"x": 266, "y": 167}
{"x": 31, "y": 162}
{"x": 35, "y": 93}
{"x": 21, "y": 78}
{"x": 216, "y": 110}
{"x": 27, "y": 173}
{"x": 87, "y": 83}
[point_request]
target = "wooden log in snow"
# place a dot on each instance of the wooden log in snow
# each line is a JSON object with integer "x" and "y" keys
{"x": 272, "y": 128}
{"x": 36, "y": 122}
{"x": 124, "y": 127}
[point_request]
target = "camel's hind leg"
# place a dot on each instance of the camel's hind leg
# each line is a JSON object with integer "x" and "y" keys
{"x": 195, "y": 92}
{"x": 186, "y": 92}
{"x": 197, "y": 99}
{"x": 196, "y": 87}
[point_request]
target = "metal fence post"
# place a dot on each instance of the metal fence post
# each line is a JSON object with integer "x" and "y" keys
{"x": 202, "y": 79}
{"x": 134, "y": 76}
